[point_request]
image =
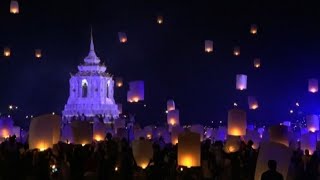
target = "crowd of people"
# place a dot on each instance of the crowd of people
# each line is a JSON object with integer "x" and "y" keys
{"x": 112, "y": 159}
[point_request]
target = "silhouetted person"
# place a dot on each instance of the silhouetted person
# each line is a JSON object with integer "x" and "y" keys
{"x": 272, "y": 173}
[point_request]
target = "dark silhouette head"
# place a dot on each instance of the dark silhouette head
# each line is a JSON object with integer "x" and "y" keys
{"x": 109, "y": 136}
{"x": 272, "y": 164}
{"x": 306, "y": 152}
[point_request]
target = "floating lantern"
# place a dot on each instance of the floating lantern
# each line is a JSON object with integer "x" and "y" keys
{"x": 122, "y": 37}
{"x": 142, "y": 152}
{"x": 170, "y": 105}
{"x": 197, "y": 129}
{"x": 175, "y": 132}
{"x": 257, "y": 62}
{"x": 237, "y": 122}
{"x": 273, "y": 151}
{"x": 6, "y": 127}
{"x": 159, "y": 19}
{"x": 208, "y": 46}
{"x": 44, "y": 132}
{"x": 136, "y": 91}
{"x": 253, "y": 103}
{"x": 312, "y": 123}
{"x": 38, "y": 53}
{"x": 14, "y": 7}
{"x": 279, "y": 134}
{"x": 173, "y": 118}
{"x": 119, "y": 82}
{"x": 253, "y": 29}
{"x": 99, "y": 131}
{"x": 309, "y": 141}
{"x": 6, "y": 52}
{"x": 82, "y": 132}
{"x": 232, "y": 144}
{"x": 313, "y": 85}
{"x": 241, "y": 82}
{"x": 236, "y": 51}
{"x": 189, "y": 149}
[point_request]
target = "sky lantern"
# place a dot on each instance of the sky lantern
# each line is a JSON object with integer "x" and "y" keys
{"x": 136, "y": 91}
{"x": 313, "y": 85}
{"x": 119, "y": 82}
{"x": 142, "y": 152}
{"x": 122, "y": 37}
{"x": 253, "y": 103}
{"x": 99, "y": 131}
{"x": 236, "y": 51}
{"x": 241, "y": 82}
{"x": 309, "y": 141}
{"x": 208, "y": 46}
{"x": 44, "y": 131}
{"x": 82, "y": 132}
{"x": 232, "y": 144}
{"x": 159, "y": 19}
{"x": 189, "y": 149}
{"x": 170, "y": 105}
{"x": 279, "y": 134}
{"x": 197, "y": 128}
{"x": 14, "y": 7}
{"x": 237, "y": 122}
{"x": 175, "y": 132}
{"x": 173, "y": 118}
{"x": 6, "y": 127}
{"x": 253, "y": 29}
{"x": 38, "y": 53}
{"x": 312, "y": 122}
{"x": 257, "y": 63}
{"x": 6, "y": 52}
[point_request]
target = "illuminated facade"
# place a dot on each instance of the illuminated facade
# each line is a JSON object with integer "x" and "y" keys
{"x": 91, "y": 90}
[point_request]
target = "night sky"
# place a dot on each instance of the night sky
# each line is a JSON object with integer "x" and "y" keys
{"x": 170, "y": 57}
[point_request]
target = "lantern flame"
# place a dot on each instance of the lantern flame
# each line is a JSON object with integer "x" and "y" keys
{"x": 6, "y": 52}
{"x": 159, "y": 19}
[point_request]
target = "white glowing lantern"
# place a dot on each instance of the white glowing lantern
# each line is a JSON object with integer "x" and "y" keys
{"x": 197, "y": 128}
{"x": 6, "y": 127}
{"x": 81, "y": 132}
{"x": 170, "y": 105}
{"x": 279, "y": 134}
{"x": 232, "y": 144}
{"x": 273, "y": 151}
{"x": 257, "y": 62}
{"x": 175, "y": 132}
{"x": 142, "y": 152}
{"x": 208, "y": 46}
{"x": 6, "y": 52}
{"x": 309, "y": 141}
{"x": 312, "y": 122}
{"x": 119, "y": 108}
{"x": 44, "y": 132}
{"x": 253, "y": 29}
{"x": 189, "y": 149}
{"x": 173, "y": 118}
{"x": 237, "y": 122}
{"x": 253, "y": 103}
{"x": 119, "y": 82}
{"x": 14, "y": 7}
{"x": 313, "y": 85}
{"x": 122, "y": 37}
{"x": 236, "y": 51}
{"x": 136, "y": 91}
{"x": 241, "y": 82}
{"x": 159, "y": 19}
{"x": 149, "y": 131}
{"x": 99, "y": 131}
{"x": 38, "y": 53}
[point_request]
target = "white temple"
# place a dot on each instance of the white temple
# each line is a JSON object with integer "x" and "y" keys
{"x": 91, "y": 90}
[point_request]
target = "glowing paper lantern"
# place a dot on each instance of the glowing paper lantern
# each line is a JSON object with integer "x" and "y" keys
{"x": 136, "y": 91}
{"x": 173, "y": 118}
{"x": 44, "y": 132}
{"x": 253, "y": 103}
{"x": 236, "y": 51}
{"x": 312, "y": 123}
{"x": 38, "y": 53}
{"x": 208, "y": 46}
{"x": 175, "y": 132}
{"x": 257, "y": 62}
{"x": 237, "y": 122}
{"x": 81, "y": 132}
{"x": 313, "y": 85}
{"x": 6, "y": 52}
{"x": 253, "y": 29}
{"x": 232, "y": 144}
{"x": 241, "y": 82}
{"x": 6, "y": 127}
{"x": 142, "y": 152}
{"x": 197, "y": 129}
{"x": 119, "y": 82}
{"x": 122, "y": 37}
{"x": 189, "y": 149}
{"x": 309, "y": 141}
{"x": 99, "y": 131}
{"x": 14, "y": 7}
{"x": 273, "y": 151}
{"x": 170, "y": 105}
{"x": 159, "y": 19}
{"x": 279, "y": 134}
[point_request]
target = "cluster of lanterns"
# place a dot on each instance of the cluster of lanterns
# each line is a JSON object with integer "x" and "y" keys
{"x": 7, "y": 52}
{"x": 136, "y": 91}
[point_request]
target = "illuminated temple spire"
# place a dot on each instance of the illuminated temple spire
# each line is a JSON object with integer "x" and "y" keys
{"x": 92, "y": 57}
